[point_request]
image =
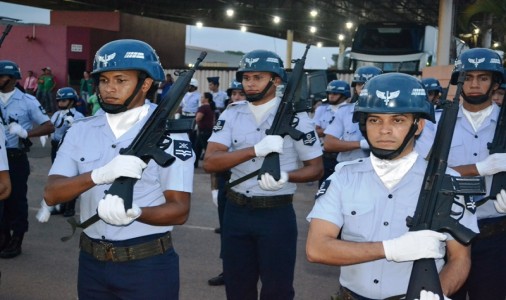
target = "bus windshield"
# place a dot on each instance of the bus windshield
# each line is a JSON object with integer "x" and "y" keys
{"x": 389, "y": 38}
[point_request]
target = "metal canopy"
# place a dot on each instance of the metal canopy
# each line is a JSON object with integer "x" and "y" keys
{"x": 257, "y": 15}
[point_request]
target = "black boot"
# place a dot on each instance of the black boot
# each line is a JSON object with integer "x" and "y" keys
{"x": 4, "y": 240}
{"x": 13, "y": 249}
{"x": 215, "y": 281}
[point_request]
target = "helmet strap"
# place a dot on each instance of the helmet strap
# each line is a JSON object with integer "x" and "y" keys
{"x": 119, "y": 108}
{"x": 476, "y": 100}
{"x": 260, "y": 96}
{"x": 390, "y": 154}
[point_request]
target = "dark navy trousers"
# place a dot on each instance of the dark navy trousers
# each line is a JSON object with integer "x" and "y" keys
{"x": 155, "y": 277}
{"x": 259, "y": 243}
{"x": 15, "y": 212}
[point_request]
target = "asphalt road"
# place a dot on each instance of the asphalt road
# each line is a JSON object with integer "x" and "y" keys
{"x": 47, "y": 268}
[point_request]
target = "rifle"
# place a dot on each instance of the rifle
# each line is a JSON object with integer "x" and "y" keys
{"x": 283, "y": 122}
{"x": 434, "y": 207}
{"x": 7, "y": 29}
{"x": 285, "y": 117}
{"x": 498, "y": 145}
{"x": 151, "y": 141}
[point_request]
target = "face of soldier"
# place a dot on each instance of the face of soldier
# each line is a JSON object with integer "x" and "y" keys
{"x": 255, "y": 82}
{"x": 498, "y": 96}
{"x": 477, "y": 83}
{"x": 116, "y": 86}
{"x": 334, "y": 98}
{"x": 237, "y": 95}
{"x": 388, "y": 131}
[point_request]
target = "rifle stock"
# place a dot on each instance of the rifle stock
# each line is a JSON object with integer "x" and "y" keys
{"x": 282, "y": 124}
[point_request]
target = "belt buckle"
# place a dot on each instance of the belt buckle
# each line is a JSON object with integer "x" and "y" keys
{"x": 109, "y": 251}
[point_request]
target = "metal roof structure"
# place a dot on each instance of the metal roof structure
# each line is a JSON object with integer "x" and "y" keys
{"x": 257, "y": 15}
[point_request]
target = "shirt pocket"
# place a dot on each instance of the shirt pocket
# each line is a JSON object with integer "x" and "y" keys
{"x": 358, "y": 220}
{"x": 244, "y": 140}
{"x": 87, "y": 160}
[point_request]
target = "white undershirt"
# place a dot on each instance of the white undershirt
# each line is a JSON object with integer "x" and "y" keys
{"x": 477, "y": 118}
{"x": 122, "y": 122}
{"x": 6, "y": 96}
{"x": 392, "y": 171}
{"x": 259, "y": 111}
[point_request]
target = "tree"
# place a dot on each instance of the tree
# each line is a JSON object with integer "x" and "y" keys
{"x": 490, "y": 15}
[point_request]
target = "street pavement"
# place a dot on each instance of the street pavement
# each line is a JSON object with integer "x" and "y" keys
{"x": 47, "y": 268}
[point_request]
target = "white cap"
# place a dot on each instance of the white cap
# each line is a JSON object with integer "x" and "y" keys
{"x": 194, "y": 82}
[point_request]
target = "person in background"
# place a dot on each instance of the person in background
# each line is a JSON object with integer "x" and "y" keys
{"x": 47, "y": 84}
{"x": 63, "y": 119}
{"x": 219, "y": 97}
{"x": 259, "y": 227}
{"x": 236, "y": 97}
{"x": 338, "y": 94}
{"x": 366, "y": 201}
{"x": 342, "y": 135}
{"x": 498, "y": 95}
{"x": 166, "y": 85}
{"x": 205, "y": 121}
{"x": 93, "y": 105}
{"x": 126, "y": 254}
{"x": 475, "y": 127}
{"x": 86, "y": 86}
{"x": 5, "y": 179}
{"x": 30, "y": 83}
{"x": 22, "y": 111}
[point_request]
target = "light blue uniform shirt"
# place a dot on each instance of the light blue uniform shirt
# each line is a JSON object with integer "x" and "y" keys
{"x": 470, "y": 147}
{"x": 325, "y": 116}
{"x": 219, "y": 98}
{"x": 60, "y": 126}
{"x": 26, "y": 110}
{"x": 355, "y": 199}
{"x": 90, "y": 144}
{"x": 343, "y": 128}
{"x": 190, "y": 102}
{"x": 4, "y": 163}
{"x": 238, "y": 129}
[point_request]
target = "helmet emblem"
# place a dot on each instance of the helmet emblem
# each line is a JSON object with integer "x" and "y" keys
{"x": 251, "y": 61}
{"x": 134, "y": 55}
{"x": 367, "y": 76}
{"x": 387, "y": 96}
{"x": 106, "y": 58}
{"x": 476, "y": 61}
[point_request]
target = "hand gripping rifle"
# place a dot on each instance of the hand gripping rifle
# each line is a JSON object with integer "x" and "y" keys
{"x": 285, "y": 119}
{"x": 151, "y": 141}
{"x": 434, "y": 207}
{"x": 283, "y": 123}
{"x": 498, "y": 145}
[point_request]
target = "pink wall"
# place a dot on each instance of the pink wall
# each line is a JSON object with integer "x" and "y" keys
{"x": 35, "y": 47}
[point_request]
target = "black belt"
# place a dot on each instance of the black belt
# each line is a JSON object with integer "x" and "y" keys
{"x": 346, "y": 294}
{"x": 330, "y": 155}
{"x": 259, "y": 201}
{"x": 14, "y": 153}
{"x": 105, "y": 251}
{"x": 491, "y": 226}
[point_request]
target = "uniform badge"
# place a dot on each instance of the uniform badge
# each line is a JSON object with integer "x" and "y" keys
{"x": 42, "y": 110}
{"x": 309, "y": 138}
{"x": 183, "y": 150}
{"x": 219, "y": 125}
{"x": 323, "y": 189}
{"x": 470, "y": 204}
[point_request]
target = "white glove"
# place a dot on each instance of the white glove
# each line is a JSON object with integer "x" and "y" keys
{"x": 69, "y": 119}
{"x": 425, "y": 295}
{"x": 270, "y": 143}
{"x": 44, "y": 212}
{"x": 177, "y": 116}
{"x": 500, "y": 201}
{"x": 214, "y": 194}
{"x": 364, "y": 145}
{"x": 268, "y": 183}
{"x": 121, "y": 165}
{"x": 491, "y": 165}
{"x": 43, "y": 140}
{"x": 15, "y": 128}
{"x": 415, "y": 245}
{"x": 111, "y": 209}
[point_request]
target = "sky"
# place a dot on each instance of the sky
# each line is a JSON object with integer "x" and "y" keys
{"x": 205, "y": 37}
